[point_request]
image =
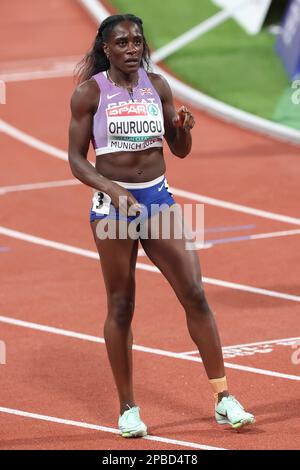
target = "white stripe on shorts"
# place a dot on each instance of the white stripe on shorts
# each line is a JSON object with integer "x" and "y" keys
{"x": 145, "y": 184}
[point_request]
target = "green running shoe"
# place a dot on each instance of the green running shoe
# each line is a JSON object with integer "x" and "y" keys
{"x": 130, "y": 423}
{"x": 230, "y": 411}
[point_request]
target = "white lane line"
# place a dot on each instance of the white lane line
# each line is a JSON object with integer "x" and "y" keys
{"x": 96, "y": 427}
{"x": 55, "y": 152}
{"x": 45, "y": 63}
{"x": 235, "y": 207}
{"x": 258, "y": 371}
{"x": 254, "y": 290}
{"x": 43, "y": 185}
{"x": 48, "y": 243}
{"x": 155, "y": 351}
{"x": 32, "y": 141}
{"x": 64, "y": 71}
{"x": 282, "y": 233}
{"x": 145, "y": 267}
{"x": 76, "y": 182}
{"x": 258, "y": 343}
{"x": 51, "y": 329}
{"x": 36, "y": 69}
{"x": 243, "y": 238}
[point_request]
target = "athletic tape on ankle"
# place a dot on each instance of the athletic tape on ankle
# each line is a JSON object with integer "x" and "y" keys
{"x": 218, "y": 385}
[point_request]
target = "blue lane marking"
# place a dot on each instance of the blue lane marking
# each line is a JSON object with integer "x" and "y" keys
{"x": 229, "y": 240}
{"x": 229, "y": 229}
{"x": 3, "y": 249}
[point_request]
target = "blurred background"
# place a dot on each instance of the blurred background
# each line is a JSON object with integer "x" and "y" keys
{"x": 241, "y": 64}
{"x": 251, "y": 71}
{"x": 241, "y": 69}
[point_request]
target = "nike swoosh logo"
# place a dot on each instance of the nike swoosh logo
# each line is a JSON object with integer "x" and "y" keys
{"x": 159, "y": 189}
{"x": 221, "y": 414}
{"x": 112, "y": 96}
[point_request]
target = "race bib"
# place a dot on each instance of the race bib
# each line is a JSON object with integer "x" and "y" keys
{"x": 101, "y": 203}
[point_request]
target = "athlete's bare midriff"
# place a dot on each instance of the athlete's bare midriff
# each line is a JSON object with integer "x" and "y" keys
{"x": 132, "y": 167}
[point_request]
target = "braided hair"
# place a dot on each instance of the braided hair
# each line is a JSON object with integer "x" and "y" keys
{"x": 95, "y": 60}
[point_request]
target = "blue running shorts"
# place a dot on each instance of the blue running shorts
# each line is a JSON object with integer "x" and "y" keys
{"x": 153, "y": 195}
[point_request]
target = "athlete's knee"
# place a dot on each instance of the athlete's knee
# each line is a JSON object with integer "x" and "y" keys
{"x": 121, "y": 308}
{"x": 194, "y": 299}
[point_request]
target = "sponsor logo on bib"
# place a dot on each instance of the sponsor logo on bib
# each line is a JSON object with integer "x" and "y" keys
{"x": 134, "y": 126}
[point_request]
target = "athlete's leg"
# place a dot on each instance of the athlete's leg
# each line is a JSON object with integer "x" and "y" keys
{"x": 182, "y": 269}
{"x": 118, "y": 260}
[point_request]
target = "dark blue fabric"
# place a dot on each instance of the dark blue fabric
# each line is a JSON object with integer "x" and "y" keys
{"x": 157, "y": 194}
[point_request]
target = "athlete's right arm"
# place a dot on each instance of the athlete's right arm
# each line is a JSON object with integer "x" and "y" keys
{"x": 83, "y": 106}
{"x": 84, "y": 103}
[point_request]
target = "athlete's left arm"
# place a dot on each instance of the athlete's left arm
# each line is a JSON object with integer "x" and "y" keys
{"x": 178, "y": 124}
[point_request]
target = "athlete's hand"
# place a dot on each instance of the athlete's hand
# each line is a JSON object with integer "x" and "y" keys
{"x": 123, "y": 200}
{"x": 184, "y": 119}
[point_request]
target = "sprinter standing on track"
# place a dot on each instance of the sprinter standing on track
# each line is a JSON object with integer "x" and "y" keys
{"x": 126, "y": 111}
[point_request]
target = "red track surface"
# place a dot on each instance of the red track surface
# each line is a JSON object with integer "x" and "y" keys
{"x": 69, "y": 378}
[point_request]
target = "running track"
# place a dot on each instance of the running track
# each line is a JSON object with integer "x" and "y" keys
{"x": 56, "y": 388}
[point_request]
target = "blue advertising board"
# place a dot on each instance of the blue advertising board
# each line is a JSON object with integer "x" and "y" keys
{"x": 288, "y": 43}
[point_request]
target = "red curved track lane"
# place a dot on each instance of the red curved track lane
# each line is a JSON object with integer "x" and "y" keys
{"x": 66, "y": 377}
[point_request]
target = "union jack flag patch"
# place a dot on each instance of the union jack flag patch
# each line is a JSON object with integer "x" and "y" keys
{"x": 146, "y": 91}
